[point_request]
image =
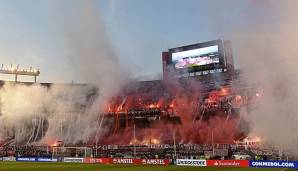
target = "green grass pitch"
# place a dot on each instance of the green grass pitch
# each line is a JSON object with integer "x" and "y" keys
{"x": 28, "y": 166}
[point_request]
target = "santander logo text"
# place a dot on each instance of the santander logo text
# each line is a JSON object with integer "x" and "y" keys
{"x": 228, "y": 163}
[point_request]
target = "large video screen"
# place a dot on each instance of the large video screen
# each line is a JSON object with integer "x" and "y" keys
{"x": 198, "y": 57}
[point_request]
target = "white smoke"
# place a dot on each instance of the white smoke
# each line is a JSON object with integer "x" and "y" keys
{"x": 268, "y": 56}
{"x": 23, "y": 107}
{"x": 70, "y": 116}
{"x": 264, "y": 38}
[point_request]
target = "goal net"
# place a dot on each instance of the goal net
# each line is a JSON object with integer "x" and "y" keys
{"x": 77, "y": 152}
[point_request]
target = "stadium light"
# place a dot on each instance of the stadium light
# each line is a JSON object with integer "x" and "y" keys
{"x": 17, "y": 71}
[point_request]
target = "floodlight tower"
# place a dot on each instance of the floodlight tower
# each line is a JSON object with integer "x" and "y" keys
{"x": 17, "y": 71}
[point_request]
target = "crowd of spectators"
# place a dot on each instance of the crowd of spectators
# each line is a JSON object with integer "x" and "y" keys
{"x": 165, "y": 151}
{"x": 27, "y": 151}
{"x": 142, "y": 151}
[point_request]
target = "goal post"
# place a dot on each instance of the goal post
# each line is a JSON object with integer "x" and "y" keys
{"x": 76, "y": 152}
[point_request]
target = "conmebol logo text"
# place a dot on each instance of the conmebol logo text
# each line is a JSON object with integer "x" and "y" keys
{"x": 273, "y": 164}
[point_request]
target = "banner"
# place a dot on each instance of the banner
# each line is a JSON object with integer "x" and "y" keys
{"x": 126, "y": 161}
{"x": 103, "y": 160}
{"x": 73, "y": 160}
{"x": 277, "y": 164}
{"x": 228, "y": 163}
{"x": 26, "y": 159}
{"x": 47, "y": 159}
{"x": 155, "y": 161}
{"x": 11, "y": 158}
{"x": 190, "y": 162}
{"x": 89, "y": 160}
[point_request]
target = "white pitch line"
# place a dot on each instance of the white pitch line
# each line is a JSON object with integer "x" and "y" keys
{"x": 284, "y": 169}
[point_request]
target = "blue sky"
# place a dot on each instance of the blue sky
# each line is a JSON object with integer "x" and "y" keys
{"x": 139, "y": 30}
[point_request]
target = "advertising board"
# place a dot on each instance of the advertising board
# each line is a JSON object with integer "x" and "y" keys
{"x": 26, "y": 159}
{"x": 11, "y": 158}
{"x": 271, "y": 164}
{"x": 228, "y": 163}
{"x": 73, "y": 160}
{"x": 45, "y": 159}
{"x": 155, "y": 161}
{"x": 127, "y": 161}
{"x": 191, "y": 162}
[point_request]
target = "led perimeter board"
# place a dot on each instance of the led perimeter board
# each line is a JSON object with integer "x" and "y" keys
{"x": 198, "y": 57}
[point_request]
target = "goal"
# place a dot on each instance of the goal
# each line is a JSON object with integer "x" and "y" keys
{"x": 77, "y": 152}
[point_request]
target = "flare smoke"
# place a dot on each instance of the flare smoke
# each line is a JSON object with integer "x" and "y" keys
{"x": 265, "y": 41}
{"x": 77, "y": 26}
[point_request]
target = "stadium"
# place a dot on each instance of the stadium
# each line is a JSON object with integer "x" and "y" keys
{"x": 148, "y": 85}
{"x": 189, "y": 118}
